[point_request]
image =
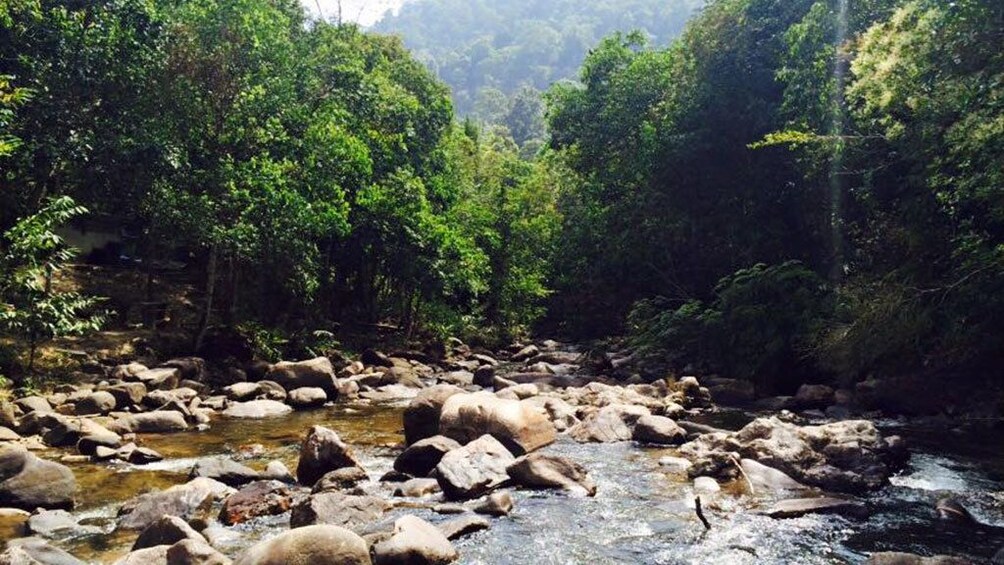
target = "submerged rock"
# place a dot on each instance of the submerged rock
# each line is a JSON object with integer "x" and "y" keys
{"x": 895, "y": 558}
{"x": 257, "y": 409}
{"x": 28, "y": 482}
{"x": 801, "y": 506}
{"x": 463, "y": 526}
{"x": 313, "y": 545}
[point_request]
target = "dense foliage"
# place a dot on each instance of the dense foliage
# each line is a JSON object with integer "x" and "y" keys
{"x": 862, "y": 139}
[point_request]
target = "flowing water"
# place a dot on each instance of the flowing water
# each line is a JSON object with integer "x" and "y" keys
{"x": 642, "y": 513}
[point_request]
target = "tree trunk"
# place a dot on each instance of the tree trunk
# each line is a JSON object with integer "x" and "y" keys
{"x": 210, "y": 291}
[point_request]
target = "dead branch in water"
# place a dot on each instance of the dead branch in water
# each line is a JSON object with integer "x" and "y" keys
{"x": 700, "y": 513}
{"x": 742, "y": 472}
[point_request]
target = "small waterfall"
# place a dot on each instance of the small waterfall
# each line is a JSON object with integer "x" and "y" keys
{"x": 837, "y": 134}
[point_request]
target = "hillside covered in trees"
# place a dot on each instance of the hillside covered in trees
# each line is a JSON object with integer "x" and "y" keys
{"x": 498, "y": 56}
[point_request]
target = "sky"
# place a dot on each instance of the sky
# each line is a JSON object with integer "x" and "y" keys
{"x": 365, "y": 12}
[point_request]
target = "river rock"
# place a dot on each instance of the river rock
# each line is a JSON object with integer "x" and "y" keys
{"x": 191, "y": 501}
{"x": 731, "y": 392}
{"x": 47, "y": 523}
{"x": 127, "y": 394}
{"x": 313, "y": 545}
{"x": 551, "y": 471}
{"x": 345, "y": 478}
{"x": 338, "y": 509}
{"x": 305, "y": 398}
{"x": 474, "y": 469}
{"x": 157, "y": 422}
{"x": 561, "y": 413}
{"x": 798, "y": 507}
{"x": 949, "y": 508}
{"x": 100, "y": 402}
{"x": 463, "y": 526}
{"x": 257, "y": 409}
{"x": 848, "y": 456}
{"x": 241, "y": 392}
{"x": 522, "y": 428}
{"x": 314, "y": 373}
{"x": 658, "y": 430}
{"x": 146, "y": 556}
{"x": 166, "y": 530}
{"x": 895, "y": 558}
{"x": 414, "y": 541}
{"x": 195, "y": 552}
{"x": 28, "y": 482}
{"x": 706, "y": 485}
{"x": 322, "y": 451}
{"x": 811, "y": 397}
{"x": 33, "y": 404}
{"x": 421, "y": 457}
{"x": 33, "y": 551}
{"x": 225, "y": 470}
{"x": 189, "y": 368}
{"x": 8, "y": 435}
{"x": 495, "y": 504}
{"x": 262, "y": 498}
{"x": 417, "y": 488}
{"x": 421, "y": 417}
{"x": 609, "y": 424}
{"x": 165, "y": 378}
{"x": 767, "y": 478}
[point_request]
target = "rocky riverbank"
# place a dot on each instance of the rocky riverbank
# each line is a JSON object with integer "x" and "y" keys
{"x": 479, "y": 430}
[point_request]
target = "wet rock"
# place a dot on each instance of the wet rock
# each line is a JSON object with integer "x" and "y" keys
{"x": 195, "y": 552}
{"x": 305, "y": 398}
{"x": 257, "y": 409}
{"x": 88, "y": 445}
{"x": 28, "y": 482}
{"x": 658, "y": 430}
{"x": 164, "y": 378}
{"x": 322, "y": 451}
{"x": 849, "y": 456}
{"x": 313, "y": 373}
{"x": 801, "y": 506}
{"x": 143, "y": 456}
{"x": 157, "y": 422}
{"x": 316, "y": 545}
{"x": 894, "y": 558}
{"x": 768, "y": 478}
{"x": 191, "y": 502}
{"x": 13, "y": 523}
{"x": 263, "y": 498}
{"x": 417, "y": 488}
{"x": 813, "y": 396}
{"x": 463, "y": 526}
{"x": 277, "y": 471}
{"x": 675, "y": 464}
{"x": 95, "y": 403}
{"x": 420, "y": 458}
{"x": 345, "y": 478}
{"x": 166, "y": 530}
{"x": 522, "y": 428}
{"x": 421, "y": 417}
{"x": 338, "y": 509}
{"x": 551, "y": 471}
{"x": 225, "y": 470}
{"x": 47, "y": 523}
{"x": 414, "y": 541}
{"x": 706, "y": 485}
{"x": 474, "y": 469}
{"x": 495, "y": 504}
{"x": 609, "y": 424}
{"x": 952, "y": 510}
{"x": 33, "y": 551}
{"x": 147, "y": 556}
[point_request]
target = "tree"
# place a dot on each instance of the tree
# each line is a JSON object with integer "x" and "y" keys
{"x": 31, "y": 309}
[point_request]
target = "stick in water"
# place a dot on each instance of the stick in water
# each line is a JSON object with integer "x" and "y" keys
{"x": 700, "y": 513}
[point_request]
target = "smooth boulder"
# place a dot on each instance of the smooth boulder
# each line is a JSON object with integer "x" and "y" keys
{"x": 521, "y": 427}
{"x": 421, "y": 417}
{"x": 474, "y": 469}
{"x": 312, "y": 545}
{"x": 257, "y": 409}
{"x": 322, "y": 451}
{"x": 421, "y": 457}
{"x": 538, "y": 470}
{"x": 29, "y": 482}
{"x": 414, "y": 541}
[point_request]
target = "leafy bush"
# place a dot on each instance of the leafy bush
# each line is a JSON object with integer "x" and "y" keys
{"x": 758, "y": 326}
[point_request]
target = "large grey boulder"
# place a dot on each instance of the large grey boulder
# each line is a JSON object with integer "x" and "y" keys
{"x": 225, "y": 470}
{"x": 611, "y": 423}
{"x": 322, "y": 451}
{"x": 191, "y": 502}
{"x": 421, "y": 457}
{"x": 305, "y": 398}
{"x": 474, "y": 469}
{"x": 156, "y": 422}
{"x": 312, "y": 545}
{"x": 519, "y": 426}
{"x": 28, "y": 482}
{"x": 99, "y": 402}
{"x": 313, "y": 373}
{"x": 163, "y": 378}
{"x": 338, "y": 509}
{"x": 658, "y": 430}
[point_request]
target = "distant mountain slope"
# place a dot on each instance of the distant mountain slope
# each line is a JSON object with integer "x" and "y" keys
{"x": 486, "y": 47}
